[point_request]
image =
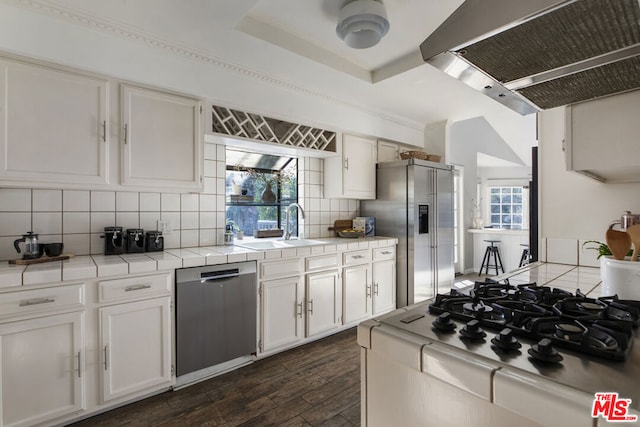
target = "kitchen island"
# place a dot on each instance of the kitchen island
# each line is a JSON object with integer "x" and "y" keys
{"x": 414, "y": 374}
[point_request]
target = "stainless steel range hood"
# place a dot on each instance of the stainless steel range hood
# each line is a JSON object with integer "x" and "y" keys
{"x": 533, "y": 55}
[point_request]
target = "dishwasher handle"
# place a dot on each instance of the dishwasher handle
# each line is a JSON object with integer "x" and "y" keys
{"x": 219, "y": 275}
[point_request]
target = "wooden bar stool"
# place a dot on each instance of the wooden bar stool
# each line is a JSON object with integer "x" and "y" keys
{"x": 492, "y": 251}
{"x": 526, "y": 255}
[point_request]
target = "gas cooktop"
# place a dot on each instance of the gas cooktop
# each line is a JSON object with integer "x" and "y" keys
{"x": 589, "y": 344}
{"x": 601, "y": 327}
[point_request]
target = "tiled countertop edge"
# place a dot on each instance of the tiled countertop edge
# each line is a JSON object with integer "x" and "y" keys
{"x": 99, "y": 266}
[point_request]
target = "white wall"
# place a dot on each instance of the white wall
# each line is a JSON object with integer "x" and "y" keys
{"x": 574, "y": 207}
{"x": 467, "y": 138}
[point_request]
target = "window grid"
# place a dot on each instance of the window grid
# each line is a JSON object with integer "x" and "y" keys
{"x": 506, "y": 207}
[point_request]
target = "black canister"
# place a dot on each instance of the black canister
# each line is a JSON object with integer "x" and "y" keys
{"x": 154, "y": 241}
{"x": 135, "y": 240}
{"x": 113, "y": 241}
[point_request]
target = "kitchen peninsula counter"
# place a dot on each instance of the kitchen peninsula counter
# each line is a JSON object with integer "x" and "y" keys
{"x": 98, "y": 266}
{"x": 498, "y": 231}
{"x": 510, "y": 246}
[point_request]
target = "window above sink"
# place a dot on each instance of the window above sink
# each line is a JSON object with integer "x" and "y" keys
{"x": 259, "y": 187}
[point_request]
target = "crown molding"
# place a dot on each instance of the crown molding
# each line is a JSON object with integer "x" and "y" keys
{"x": 118, "y": 29}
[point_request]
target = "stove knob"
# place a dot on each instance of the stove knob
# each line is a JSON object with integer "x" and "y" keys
{"x": 544, "y": 352}
{"x": 473, "y": 331}
{"x": 444, "y": 323}
{"x": 506, "y": 341}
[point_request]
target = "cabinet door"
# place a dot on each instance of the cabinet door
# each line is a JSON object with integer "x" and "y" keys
{"x": 162, "y": 139}
{"x": 356, "y": 293}
{"x": 42, "y": 368}
{"x": 136, "y": 347}
{"x": 322, "y": 300}
{"x": 359, "y": 168}
{"x": 281, "y": 306}
{"x": 384, "y": 286}
{"x": 53, "y": 126}
{"x": 388, "y": 152}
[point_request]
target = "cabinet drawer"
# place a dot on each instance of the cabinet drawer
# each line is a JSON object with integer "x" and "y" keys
{"x": 281, "y": 268}
{"x": 356, "y": 257}
{"x": 380, "y": 254}
{"x": 134, "y": 287}
{"x": 41, "y": 300}
{"x": 321, "y": 262}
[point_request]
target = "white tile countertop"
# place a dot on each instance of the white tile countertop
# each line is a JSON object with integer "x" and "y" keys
{"x": 94, "y": 266}
{"x": 567, "y": 277}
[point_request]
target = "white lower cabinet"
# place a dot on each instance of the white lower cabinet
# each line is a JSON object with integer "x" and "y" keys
{"x": 281, "y": 313}
{"x": 136, "y": 347}
{"x": 383, "y": 272}
{"x": 42, "y": 366}
{"x": 323, "y": 302}
{"x": 356, "y": 287}
{"x": 294, "y": 309}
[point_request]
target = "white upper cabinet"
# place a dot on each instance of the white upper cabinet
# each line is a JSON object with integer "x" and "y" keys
{"x": 53, "y": 126}
{"x": 161, "y": 139}
{"x": 601, "y": 138}
{"x": 388, "y": 151}
{"x": 353, "y": 175}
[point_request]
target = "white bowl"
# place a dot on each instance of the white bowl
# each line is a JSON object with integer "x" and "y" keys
{"x": 621, "y": 277}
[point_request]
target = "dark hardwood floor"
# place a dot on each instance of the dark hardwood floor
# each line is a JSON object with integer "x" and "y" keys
{"x": 317, "y": 384}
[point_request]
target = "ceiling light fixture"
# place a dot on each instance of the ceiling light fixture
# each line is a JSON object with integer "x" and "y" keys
{"x": 362, "y": 23}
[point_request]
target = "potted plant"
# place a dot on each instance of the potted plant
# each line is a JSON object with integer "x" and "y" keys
{"x": 602, "y": 248}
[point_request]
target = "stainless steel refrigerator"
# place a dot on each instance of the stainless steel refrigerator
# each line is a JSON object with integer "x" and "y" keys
{"x": 414, "y": 203}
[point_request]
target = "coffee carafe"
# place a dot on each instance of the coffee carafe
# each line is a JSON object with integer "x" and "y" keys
{"x": 31, "y": 249}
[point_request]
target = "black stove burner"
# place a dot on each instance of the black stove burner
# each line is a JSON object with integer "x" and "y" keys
{"x": 602, "y": 327}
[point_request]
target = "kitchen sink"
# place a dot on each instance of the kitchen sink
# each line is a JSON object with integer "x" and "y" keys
{"x": 279, "y": 244}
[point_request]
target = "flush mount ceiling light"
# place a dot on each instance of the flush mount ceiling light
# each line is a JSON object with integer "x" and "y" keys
{"x": 362, "y": 23}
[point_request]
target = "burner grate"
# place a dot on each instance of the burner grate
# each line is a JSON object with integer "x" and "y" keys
{"x": 601, "y": 327}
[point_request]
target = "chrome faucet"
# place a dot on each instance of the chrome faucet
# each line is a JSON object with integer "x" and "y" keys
{"x": 287, "y": 233}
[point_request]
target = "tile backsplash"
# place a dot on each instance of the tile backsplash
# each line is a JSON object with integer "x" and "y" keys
{"x": 78, "y": 217}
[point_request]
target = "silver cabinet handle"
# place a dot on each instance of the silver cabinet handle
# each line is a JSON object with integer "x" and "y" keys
{"x": 136, "y": 287}
{"x": 375, "y": 289}
{"x": 36, "y": 301}
{"x": 310, "y": 304}
{"x": 104, "y": 131}
{"x": 346, "y": 163}
{"x": 386, "y": 252}
{"x": 126, "y": 132}
{"x": 299, "y": 312}
{"x": 106, "y": 363}
{"x": 79, "y": 366}
{"x": 368, "y": 291}
{"x": 357, "y": 256}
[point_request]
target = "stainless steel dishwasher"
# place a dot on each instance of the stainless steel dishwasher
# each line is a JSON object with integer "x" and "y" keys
{"x": 216, "y": 310}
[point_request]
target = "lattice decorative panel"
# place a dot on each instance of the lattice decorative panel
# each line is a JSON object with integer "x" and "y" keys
{"x": 254, "y": 126}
